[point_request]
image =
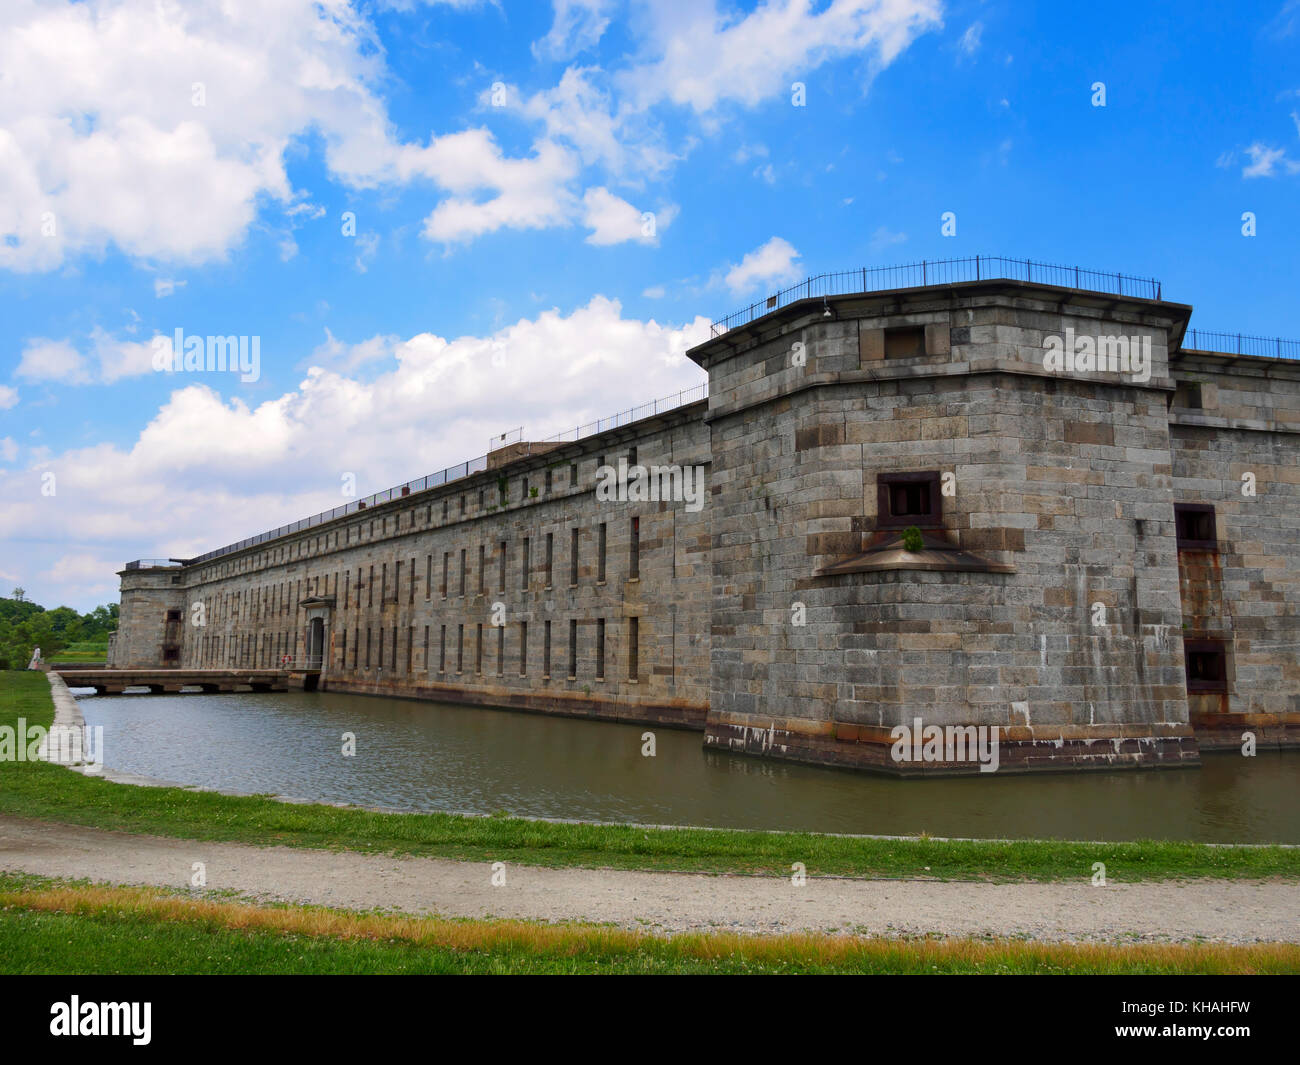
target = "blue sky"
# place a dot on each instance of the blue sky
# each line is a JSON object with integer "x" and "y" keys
{"x": 189, "y": 166}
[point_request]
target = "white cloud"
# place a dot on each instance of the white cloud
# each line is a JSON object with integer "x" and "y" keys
{"x": 222, "y": 470}
{"x": 52, "y": 360}
{"x": 580, "y": 113}
{"x": 700, "y": 57}
{"x": 122, "y": 358}
{"x": 1265, "y": 161}
{"x": 654, "y": 292}
{"x": 161, "y": 128}
{"x": 109, "y": 360}
{"x": 970, "y": 40}
{"x": 614, "y": 220}
{"x": 165, "y": 286}
{"x": 8, "y": 449}
{"x": 529, "y": 193}
{"x": 884, "y": 238}
{"x": 773, "y": 263}
{"x": 578, "y": 26}
{"x": 101, "y": 141}
{"x": 8, "y": 397}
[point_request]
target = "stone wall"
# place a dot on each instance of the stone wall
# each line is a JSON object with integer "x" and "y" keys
{"x": 1047, "y": 600}
{"x": 151, "y": 627}
{"x": 808, "y": 609}
{"x": 448, "y": 594}
{"x": 1238, "y": 450}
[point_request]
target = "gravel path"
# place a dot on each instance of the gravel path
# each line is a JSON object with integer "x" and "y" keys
{"x": 1226, "y": 911}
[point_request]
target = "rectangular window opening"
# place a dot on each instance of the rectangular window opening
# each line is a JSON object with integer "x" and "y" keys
{"x": 905, "y": 342}
{"x": 1195, "y": 526}
{"x": 906, "y": 499}
{"x": 1207, "y": 665}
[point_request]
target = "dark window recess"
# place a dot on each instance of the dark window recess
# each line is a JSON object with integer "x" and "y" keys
{"x": 173, "y": 615}
{"x": 905, "y": 499}
{"x": 1207, "y": 665}
{"x": 1187, "y": 394}
{"x": 1195, "y": 526}
{"x": 904, "y": 342}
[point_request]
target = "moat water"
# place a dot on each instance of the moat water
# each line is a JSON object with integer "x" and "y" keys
{"x": 434, "y": 756}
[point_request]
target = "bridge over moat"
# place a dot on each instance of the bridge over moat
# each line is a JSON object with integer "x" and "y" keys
{"x": 173, "y": 681}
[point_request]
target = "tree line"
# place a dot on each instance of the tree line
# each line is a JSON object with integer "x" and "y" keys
{"x": 25, "y": 625}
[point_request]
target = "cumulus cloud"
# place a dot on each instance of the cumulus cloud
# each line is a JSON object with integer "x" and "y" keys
{"x": 581, "y": 113}
{"x": 613, "y": 220}
{"x": 161, "y": 128}
{"x": 222, "y": 469}
{"x": 52, "y": 360}
{"x": 700, "y": 57}
{"x": 108, "y": 360}
{"x": 773, "y": 263}
{"x": 8, "y": 397}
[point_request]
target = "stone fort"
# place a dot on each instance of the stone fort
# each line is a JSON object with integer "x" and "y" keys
{"x": 983, "y": 492}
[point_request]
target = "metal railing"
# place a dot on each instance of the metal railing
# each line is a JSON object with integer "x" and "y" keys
{"x": 1240, "y": 344}
{"x": 297, "y": 663}
{"x": 435, "y": 480}
{"x": 944, "y": 272}
{"x": 152, "y": 563}
{"x": 632, "y": 414}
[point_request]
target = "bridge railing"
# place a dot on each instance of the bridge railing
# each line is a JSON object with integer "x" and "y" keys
{"x": 298, "y": 663}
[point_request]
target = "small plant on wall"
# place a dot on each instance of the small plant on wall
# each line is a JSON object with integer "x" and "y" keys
{"x": 912, "y": 539}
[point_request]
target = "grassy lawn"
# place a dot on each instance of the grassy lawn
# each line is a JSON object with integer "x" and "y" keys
{"x": 47, "y": 792}
{"x": 81, "y": 653}
{"x": 62, "y": 927}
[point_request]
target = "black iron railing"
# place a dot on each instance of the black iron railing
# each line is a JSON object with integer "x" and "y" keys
{"x": 1240, "y": 344}
{"x": 945, "y": 272}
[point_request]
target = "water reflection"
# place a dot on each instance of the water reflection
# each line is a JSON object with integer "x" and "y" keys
{"x": 429, "y": 756}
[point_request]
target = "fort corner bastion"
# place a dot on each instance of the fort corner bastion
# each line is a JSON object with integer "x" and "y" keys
{"x": 1035, "y": 501}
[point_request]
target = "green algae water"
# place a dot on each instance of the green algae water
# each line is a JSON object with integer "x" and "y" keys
{"x": 425, "y": 757}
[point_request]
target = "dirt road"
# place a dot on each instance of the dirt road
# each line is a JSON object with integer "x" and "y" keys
{"x": 1226, "y": 911}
